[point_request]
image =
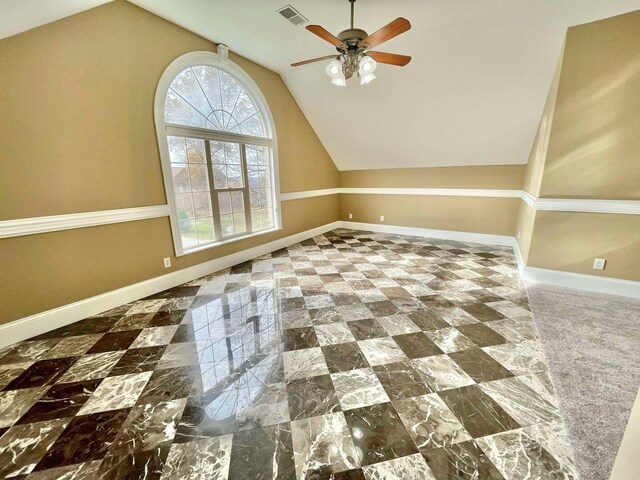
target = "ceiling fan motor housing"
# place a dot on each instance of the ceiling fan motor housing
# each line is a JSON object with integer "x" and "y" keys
{"x": 352, "y": 36}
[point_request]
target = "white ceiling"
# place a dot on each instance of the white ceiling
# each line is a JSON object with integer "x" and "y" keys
{"x": 472, "y": 95}
{"x": 20, "y": 15}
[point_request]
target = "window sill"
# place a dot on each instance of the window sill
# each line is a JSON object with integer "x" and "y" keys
{"x": 225, "y": 242}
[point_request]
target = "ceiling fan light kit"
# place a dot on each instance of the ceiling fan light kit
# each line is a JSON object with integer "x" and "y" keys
{"x": 354, "y": 56}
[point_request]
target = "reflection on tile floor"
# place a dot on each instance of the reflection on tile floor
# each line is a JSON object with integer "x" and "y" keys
{"x": 348, "y": 356}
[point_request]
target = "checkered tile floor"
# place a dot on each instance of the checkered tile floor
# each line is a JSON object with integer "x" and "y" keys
{"x": 350, "y": 355}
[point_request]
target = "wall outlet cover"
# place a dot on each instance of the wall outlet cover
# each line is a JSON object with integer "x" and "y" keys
{"x": 382, "y": 218}
{"x": 350, "y": 216}
{"x": 167, "y": 262}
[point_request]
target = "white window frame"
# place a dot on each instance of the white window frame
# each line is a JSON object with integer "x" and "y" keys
{"x": 164, "y": 129}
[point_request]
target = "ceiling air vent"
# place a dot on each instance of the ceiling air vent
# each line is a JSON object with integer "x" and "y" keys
{"x": 292, "y": 15}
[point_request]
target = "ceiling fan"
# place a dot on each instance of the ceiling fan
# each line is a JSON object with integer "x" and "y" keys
{"x": 353, "y": 47}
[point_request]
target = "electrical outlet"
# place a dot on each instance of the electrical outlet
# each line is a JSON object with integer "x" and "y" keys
{"x": 599, "y": 263}
{"x": 382, "y": 218}
{"x": 350, "y": 216}
{"x": 167, "y": 262}
{"x": 518, "y": 235}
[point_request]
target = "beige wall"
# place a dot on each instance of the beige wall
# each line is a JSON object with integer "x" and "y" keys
{"x": 44, "y": 271}
{"x": 77, "y": 134}
{"x": 466, "y": 214}
{"x": 571, "y": 241}
{"x": 486, "y": 176}
{"x": 524, "y": 228}
{"x": 595, "y": 138}
{"x": 76, "y": 126}
{"x": 587, "y": 147}
{"x": 537, "y": 158}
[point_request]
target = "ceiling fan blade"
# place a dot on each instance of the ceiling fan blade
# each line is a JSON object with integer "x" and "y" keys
{"x": 390, "y": 58}
{"x": 325, "y": 35}
{"x": 313, "y": 60}
{"x": 393, "y": 29}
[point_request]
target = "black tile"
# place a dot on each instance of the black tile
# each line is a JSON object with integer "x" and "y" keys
{"x": 43, "y": 372}
{"x": 481, "y": 335}
{"x": 62, "y": 400}
{"x": 87, "y": 437}
{"x": 378, "y": 433}
{"x": 343, "y": 357}
{"x": 478, "y": 412}
{"x": 482, "y": 312}
{"x": 310, "y": 397}
{"x": 417, "y": 345}
{"x": 463, "y": 460}
{"x": 114, "y": 341}
{"x": 479, "y": 365}
{"x": 428, "y": 320}
{"x": 382, "y": 309}
{"x": 400, "y": 380}
{"x": 262, "y": 454}
{"x": 367, "y": 329}
{"x": 137, "y": 360}
{"x": 299, "y": 338}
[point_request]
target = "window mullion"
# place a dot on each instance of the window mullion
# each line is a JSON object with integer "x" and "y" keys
{"x": 245, "y": 183}
{"x": 215, "y": 210}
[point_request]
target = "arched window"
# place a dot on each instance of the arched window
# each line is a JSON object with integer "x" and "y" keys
{"x": 218, "y": 151}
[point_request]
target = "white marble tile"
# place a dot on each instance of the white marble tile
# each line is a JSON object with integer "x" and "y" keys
{"x": 358, "y": 388}
{"x": 441, "y": 373}
{"x": 308, "y": 362}
{"x": 322, "y": 444}
{"x": 410, "y": 467}
{"x": 206, "y": 459}
{"x": 379, "y": 351}
{"x": 334, "y": 333}
{"x": 117, "y": 392}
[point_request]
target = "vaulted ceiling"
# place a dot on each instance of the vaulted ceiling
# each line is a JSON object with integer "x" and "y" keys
{"x": 472, "y": 95}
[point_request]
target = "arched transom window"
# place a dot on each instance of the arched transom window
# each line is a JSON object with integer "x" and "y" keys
{"x": 217, "y": 144}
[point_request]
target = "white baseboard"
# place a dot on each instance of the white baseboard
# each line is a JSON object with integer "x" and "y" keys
{"x": 580, "y": 281}
{"x": 40, "y": 323}
{"x": 429, "y": 233}
{"x": 37, "y": 324}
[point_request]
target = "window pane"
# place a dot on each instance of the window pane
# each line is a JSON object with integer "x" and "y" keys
{"x": 239, "y": 223}
{"x": 232, "y": 153}
{"x": 256, "y": 156}
{"x": 195, "y": 150}
{"x": 256, "y": 220}
{"x": 188, "y": 233}
{"x": 186, "y": 86}
{"x": 180, "y": 173}
{"x": 226, "y": 223}
{"x": 220, "y": 176}
{"x": 202, "y": 204}
{"x": 234, "y": 176}
{"x": 205, "y": 96}
{"x": 177, "y": 110}
{"x": 217, "y": 152}
{"x": 267, "y": 218}
{"x": 204, "y": 229}
{"x": 199, "y": 178}
{"x": 224, "y": 202}
{"x": 237, "y": 201}
{"x": 177, "y": 152}
{"x": 184, "y": 205}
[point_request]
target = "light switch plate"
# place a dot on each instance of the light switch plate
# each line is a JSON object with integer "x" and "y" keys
{"x": 599, "y": 263}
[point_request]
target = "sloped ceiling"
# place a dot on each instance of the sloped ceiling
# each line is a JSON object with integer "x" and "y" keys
{"x": 472, "y": 95}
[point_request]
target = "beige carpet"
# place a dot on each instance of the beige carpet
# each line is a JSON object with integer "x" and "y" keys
{"x": 592, "y": 343}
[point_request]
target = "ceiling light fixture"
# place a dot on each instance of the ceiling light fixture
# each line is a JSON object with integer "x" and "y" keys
{"x": 354, "y": 56}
